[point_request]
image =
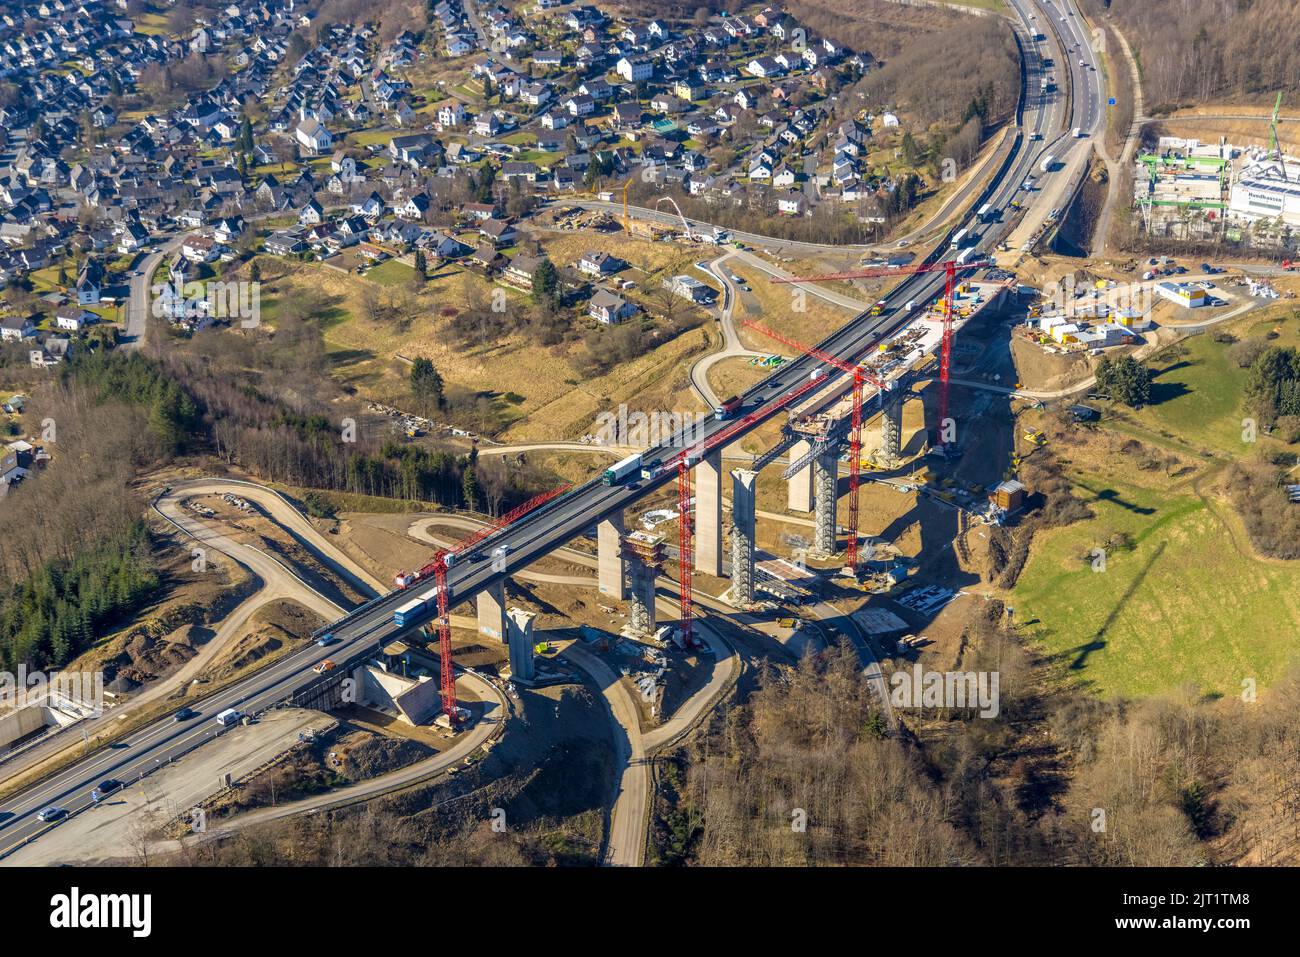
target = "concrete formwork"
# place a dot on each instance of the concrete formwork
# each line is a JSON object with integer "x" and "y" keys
{"x": 742, "y": 536}
{"x": 891, "y": 431}
{"x": 825, "y": 469}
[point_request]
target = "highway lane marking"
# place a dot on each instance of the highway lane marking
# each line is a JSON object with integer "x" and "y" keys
{"x": 272, "y": 677}
{"x": 136, "y": 763}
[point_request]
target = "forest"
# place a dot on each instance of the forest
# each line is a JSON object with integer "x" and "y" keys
{"x": 1199, "y": 51}
{"x": 920, "y": 78}
{"x": 52, "y": 616}
{"x": 1273, "y": 384}
{"x": 76, "y": 555}
{"x": 269, "y": 405}
{"x": 808, "y": 772}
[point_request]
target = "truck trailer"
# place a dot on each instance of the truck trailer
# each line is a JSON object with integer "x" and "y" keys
{"x": 728, "y": 408}
{"x": 621, "y": 470}
{"x": 416, "y": 607}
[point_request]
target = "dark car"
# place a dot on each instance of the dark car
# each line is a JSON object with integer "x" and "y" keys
{"x": 185, "y": 714}
{"x": 106, "y": 787}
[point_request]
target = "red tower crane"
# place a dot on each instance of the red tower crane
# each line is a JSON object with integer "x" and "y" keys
{"x": 951, "y": 268}
{"x": 442, "y": 560}
{"x": 860, "y": 376}
{"x": 683, "y": 461}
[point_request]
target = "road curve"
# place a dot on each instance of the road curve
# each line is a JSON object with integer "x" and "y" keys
{"x": 131, "y": 758}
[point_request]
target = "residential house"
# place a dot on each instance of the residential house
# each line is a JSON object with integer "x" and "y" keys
{"x": 90, "y": 282}
{"x": 199, "y": 249}
{"x": 73, "y": 318}
{"x": 16, "y": 328}
{"x": 598, "y": 264}
{"x": 311, "y": 214}
{"x": 519, "y": 271}
{"x": 608, "y": 308}
{"x": 635, "y": 70}
{"x": 283, "y": 244}
{"x": 499, "y": 231}
{"x": 313, "y": 137}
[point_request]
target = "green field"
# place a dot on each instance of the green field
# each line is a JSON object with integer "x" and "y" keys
{"x": 1189, "y": 602}
{"x": 390, "y": 272}
{"x": 1196, "y": 395}
{"x": 1186, "y": 604}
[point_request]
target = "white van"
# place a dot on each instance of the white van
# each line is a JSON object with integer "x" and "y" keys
{"x": 228, "y": 717}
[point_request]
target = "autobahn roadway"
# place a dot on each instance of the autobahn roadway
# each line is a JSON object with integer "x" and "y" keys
{"x": 536, "y": 534}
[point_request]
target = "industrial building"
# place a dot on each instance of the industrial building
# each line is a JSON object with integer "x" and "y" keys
{"x": 1185, "y": 294}
{"x": 1267, "y": 189}
{"x": 1198, "y": 189}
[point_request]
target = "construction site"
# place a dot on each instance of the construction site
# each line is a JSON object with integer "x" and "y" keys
{"x": 1195, "y": 190}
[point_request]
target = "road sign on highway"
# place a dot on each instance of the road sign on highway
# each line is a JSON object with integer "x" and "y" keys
{"x": 1111, "y": 101}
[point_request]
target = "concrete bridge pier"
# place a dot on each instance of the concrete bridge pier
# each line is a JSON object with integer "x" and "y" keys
{"x": 520, "y": 640}
{"x": 641, "y": 614}
{"x": 826, "y": 476}
{"x": 708, "y": 515}
{"x": 742, "y": 536}
{"x": 891, "y": 431}
{"x": 491, "y": 604}
{"x": 800, "y": 485}
{"x": 610, "y": 562}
